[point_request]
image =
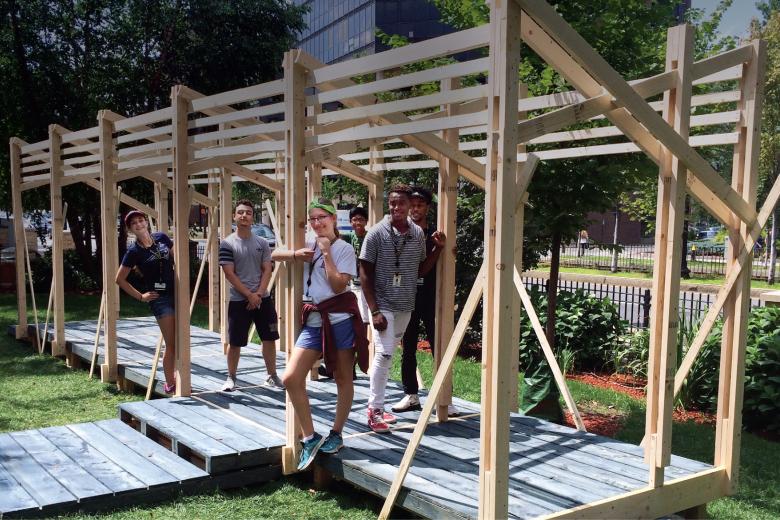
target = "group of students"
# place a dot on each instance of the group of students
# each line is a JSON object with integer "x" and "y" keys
{"x": 382, "y": 278}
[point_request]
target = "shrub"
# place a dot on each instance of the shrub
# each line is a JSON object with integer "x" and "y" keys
{"x": 587, "y": 328}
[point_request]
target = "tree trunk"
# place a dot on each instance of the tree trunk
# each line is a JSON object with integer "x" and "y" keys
{"x": 770, "y": 277}
{"x": 614, "y": 265}
{"x": 552, "y": 287}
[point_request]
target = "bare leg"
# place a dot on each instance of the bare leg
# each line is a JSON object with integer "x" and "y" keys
{"x": 233, "y": 355}
{"x": 344, "y": 386}
{"x": 168, "y": 328}
{"x": 294, "y": 381}
{"x": 269, "y": 356}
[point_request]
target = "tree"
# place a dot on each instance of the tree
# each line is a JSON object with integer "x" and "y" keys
{"x": 769, "y": 162}
{"x": 61, "y": 62}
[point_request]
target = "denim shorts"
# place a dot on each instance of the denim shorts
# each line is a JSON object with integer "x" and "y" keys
{"x": 163, "y": 305}
{"x": 311, "y": 337}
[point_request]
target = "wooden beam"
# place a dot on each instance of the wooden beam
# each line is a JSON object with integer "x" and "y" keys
{"x": 596, "y": 67}
{"x": 447, "y": 362}
{"x": 744, "y": 180}
{"x": 501, "y": 308}
{"x": 15, "y": 153}
{"x": 253, "y": 176}
{"x": 225, "y": 209}
{"x": 109, "y": 211}
{"x": 666, "y": 265}
{"x": 553, "y": 53}
{"x": 676, "y": 495}
{"x": 295, "y": 224}
{"x": 447, "y": 220}
{"x": 57, "y": 248}
{"x": 127, "y": 199}
{"x": 181, "y": 105}
{"x": 214, "y": 270}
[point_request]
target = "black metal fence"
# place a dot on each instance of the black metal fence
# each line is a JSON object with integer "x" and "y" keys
{"x": 634, "y": 303}
{"x": 702, "y": 261}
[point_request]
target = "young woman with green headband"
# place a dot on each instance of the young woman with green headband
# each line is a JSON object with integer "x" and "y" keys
{"x": 331, "y": 327}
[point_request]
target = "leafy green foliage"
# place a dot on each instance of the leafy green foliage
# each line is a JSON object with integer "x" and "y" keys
{"x": 587, "y": 330}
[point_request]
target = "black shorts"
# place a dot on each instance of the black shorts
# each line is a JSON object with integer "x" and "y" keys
{"x": 240, "y": 320}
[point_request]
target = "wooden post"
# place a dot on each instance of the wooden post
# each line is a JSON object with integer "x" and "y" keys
{"x": 225, "y": 220}
{"x": 57, "y": 248}
{"x": 181, "y": 212}
{"x": 522, "y": 91}
{"x": 447, "y": 219}
{"x": 501, "y": 303}
{"x": 109, "y": 210}
{"x": 664, "y": 321}
{"x": 737, "y": 308}
{"x": 15, "y": 145}
{"x": 314, "y": 184}
{"x": 213, "y": 253}
{"x": 376, "y": 203}
{"x": 161, "y": 205}
{"x": 295, "y": 224}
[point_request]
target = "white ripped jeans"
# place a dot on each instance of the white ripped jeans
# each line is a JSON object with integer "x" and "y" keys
{"x": 385, "y": 342}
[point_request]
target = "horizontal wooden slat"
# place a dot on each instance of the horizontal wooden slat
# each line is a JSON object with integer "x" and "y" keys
{"x": 145, "y": 119}
{"x": 719, "y": 62}
{"x": 238, "y": 115}
{"x": 88, "y": 133}
{"x": 435, "y": 47}
{"x": 401, "y": 81}
{"x": 243, "y": 131}
{"x": 34, "y": 147}
{"x": 263, "y": 90}
{"x": 146, "y": 134}
{"x": 150, "y": 147}
{"x": 263, "y": 146}
{"x": 149, "y": 161}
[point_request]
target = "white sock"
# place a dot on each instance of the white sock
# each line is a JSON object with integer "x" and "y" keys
{"x": 308, "y": 438}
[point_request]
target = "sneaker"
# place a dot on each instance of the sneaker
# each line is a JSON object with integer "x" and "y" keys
{"x": 230, "y": 385}
{"x": 169, "y": 389}
{"x": 274, "y": 381}
{"x": 409, "y": 403}
{"x": 376, "y": 422}
{"x": 389, "y": 418}
{"x": 322, "y": 372}
{"x": 309, "y": 451}
{"x": 333, "y": 443}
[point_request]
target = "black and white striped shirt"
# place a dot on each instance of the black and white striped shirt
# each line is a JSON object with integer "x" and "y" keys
{"x": 383, "y": 247}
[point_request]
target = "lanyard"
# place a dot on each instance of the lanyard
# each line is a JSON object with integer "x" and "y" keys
{"x": 396, "y": 249}
{"x": 311, "y": 270}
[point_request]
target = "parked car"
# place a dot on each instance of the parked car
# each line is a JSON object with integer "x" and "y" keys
{"x": 265, "y": 232}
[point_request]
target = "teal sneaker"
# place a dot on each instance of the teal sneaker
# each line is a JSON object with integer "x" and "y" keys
{"x": 309, "y": 451}
{"x": 333, "y": 443}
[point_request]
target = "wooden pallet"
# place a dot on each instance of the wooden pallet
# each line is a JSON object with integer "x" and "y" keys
{"x": 86, "y": 466}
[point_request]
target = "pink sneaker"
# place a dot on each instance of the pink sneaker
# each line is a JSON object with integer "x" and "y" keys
{"x": 376, "y": 422}
{"x": 389, "y": 418}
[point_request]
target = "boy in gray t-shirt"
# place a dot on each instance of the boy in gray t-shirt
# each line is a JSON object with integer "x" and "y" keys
{"x": 246, "y": 261}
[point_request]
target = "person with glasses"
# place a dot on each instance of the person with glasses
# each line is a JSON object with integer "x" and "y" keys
{"x": 332, "y": 327}
{"x": 392, "y": 258}
{"x": 245, "y": 259}
{"x": 151, "y": 256}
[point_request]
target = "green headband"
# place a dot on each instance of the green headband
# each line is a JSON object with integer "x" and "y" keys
{"x": 325, "y": 207}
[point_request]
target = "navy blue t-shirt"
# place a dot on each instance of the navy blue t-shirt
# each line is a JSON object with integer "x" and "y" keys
{"x": 155, "y": 262}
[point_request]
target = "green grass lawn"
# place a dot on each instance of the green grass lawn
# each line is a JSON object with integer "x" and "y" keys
{"x": 40, "y": 391}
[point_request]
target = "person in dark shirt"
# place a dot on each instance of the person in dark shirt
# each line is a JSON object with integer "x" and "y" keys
{"x": 424, "y": 304}
{"x": 152, "y": 257}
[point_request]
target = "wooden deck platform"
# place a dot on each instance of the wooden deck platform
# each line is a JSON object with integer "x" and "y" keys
{"x": 552, "y": 467}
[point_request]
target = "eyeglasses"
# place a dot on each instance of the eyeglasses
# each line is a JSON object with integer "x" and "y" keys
{"x": 317, "y": 220}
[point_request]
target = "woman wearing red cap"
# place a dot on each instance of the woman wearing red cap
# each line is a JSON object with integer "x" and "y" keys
{"x": 152, "y": 257}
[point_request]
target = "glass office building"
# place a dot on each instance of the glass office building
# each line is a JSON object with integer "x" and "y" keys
{"x": 342, "y": 29}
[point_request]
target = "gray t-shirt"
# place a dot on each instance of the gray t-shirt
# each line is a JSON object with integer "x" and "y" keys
{"x": 343, "y": 256}
{"x": 384, "y": 247}
{"x": 247, "y": 256}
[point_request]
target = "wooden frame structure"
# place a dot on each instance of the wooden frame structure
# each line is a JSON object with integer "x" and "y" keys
{"x": 273, "y": 133}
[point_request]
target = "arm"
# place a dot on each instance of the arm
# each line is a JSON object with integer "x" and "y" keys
{"x": 286, "y": 255}
{"x": 265, "y": 278}
{"x": 367, "y": 277}
{"x": 430, "y": 260}
{"x": 232, "y": 278}
{"x": 121, "y": 281}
